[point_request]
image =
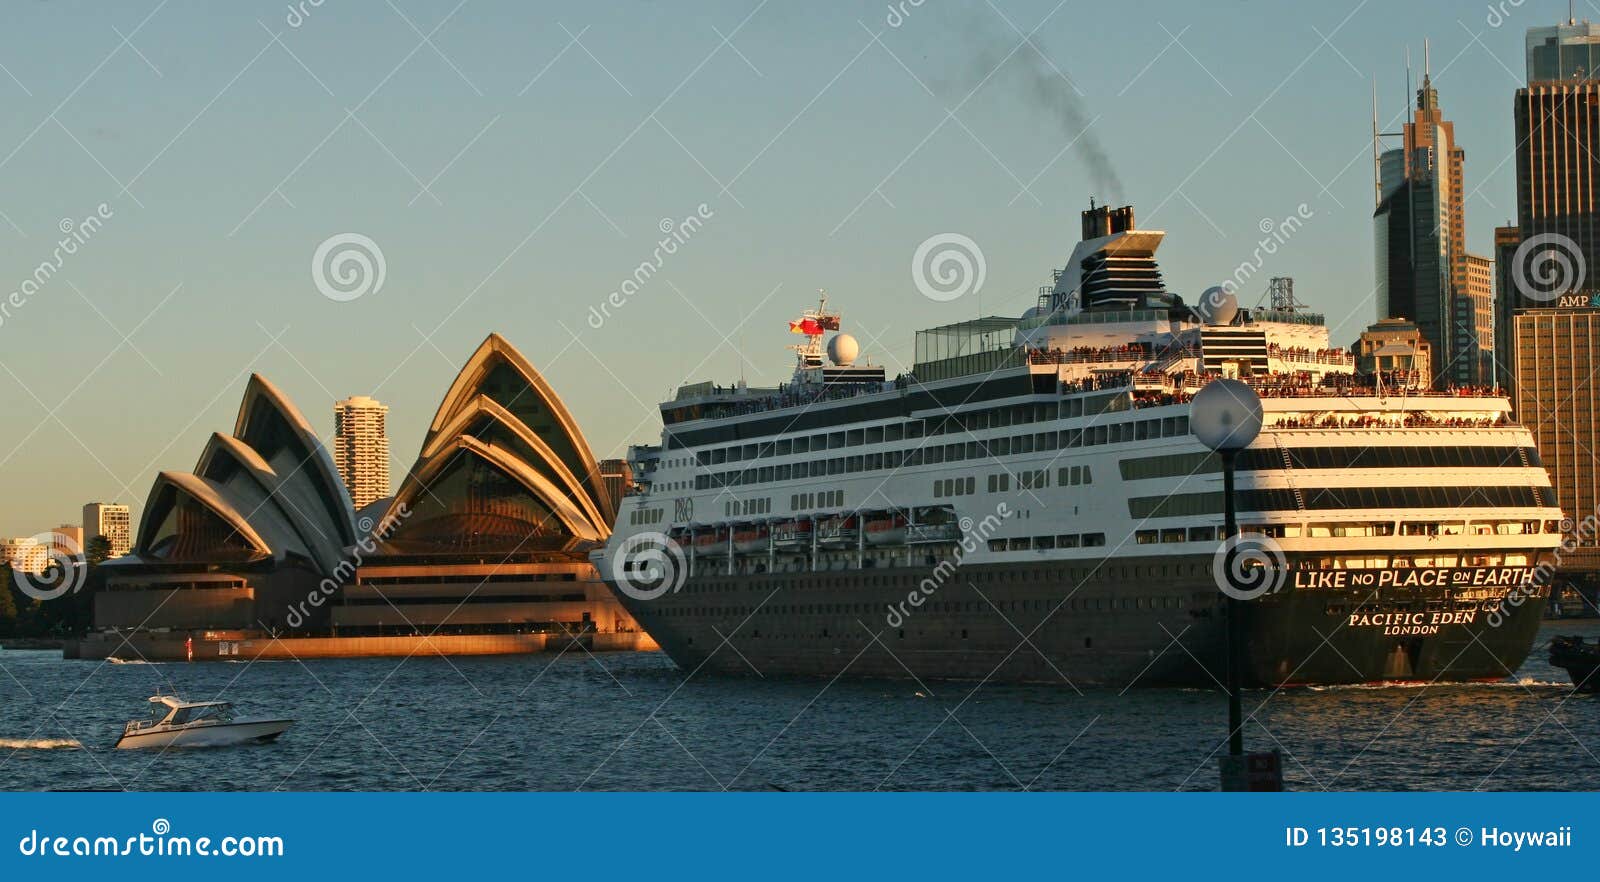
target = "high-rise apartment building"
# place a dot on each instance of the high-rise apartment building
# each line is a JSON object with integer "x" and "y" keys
{"x": 361, "y": 448}
{"x": 110, "y": 520}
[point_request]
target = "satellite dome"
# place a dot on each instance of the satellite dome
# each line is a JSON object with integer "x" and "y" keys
{"x": 843, "y": 349}
{"x": 1217, "y": 306}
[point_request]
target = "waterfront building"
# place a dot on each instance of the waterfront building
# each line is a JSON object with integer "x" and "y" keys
{"x": 490, "y": 531}
{"x": 111, "y": 520}
{"x": 1552, "y": 327}
{"x": 71, "y": 541}
{"x": 361, "y": 448}
{"x": 1558, "y": 400}
{"x": 24, "y": 554}
{"x": 1396, "y": 350}
{"x": 261, "y": 520}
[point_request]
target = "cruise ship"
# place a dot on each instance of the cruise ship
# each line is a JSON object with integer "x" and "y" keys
{"x": 1028, "y": 503}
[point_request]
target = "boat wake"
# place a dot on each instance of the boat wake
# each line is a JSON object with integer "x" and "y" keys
{"x": 40, "y": 744}
{"x": 129, "y": 661}
{"x": 1519, "y": 683}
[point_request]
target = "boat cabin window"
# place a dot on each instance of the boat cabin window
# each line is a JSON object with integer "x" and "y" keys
{"x": 210, "y": 713}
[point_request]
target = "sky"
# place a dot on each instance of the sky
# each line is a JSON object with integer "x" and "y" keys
{"x": 514, "y": 163}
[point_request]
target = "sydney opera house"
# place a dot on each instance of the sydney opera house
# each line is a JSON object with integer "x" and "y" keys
{"x": 483, "y": 549}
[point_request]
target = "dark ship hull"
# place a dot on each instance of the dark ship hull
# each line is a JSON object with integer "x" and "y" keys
{"x": 1139, "y": 621}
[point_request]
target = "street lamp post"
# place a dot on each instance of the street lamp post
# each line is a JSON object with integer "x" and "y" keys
{"x": 1226, "y": 416}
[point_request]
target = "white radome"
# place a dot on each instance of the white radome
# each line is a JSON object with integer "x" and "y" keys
{"x": 843, "y": 349}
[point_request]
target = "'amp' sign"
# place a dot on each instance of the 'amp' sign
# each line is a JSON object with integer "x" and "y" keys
{"x": 1578, "y": 300}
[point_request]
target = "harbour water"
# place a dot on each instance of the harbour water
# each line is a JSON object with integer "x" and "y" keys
{"x": 632, "y": 721}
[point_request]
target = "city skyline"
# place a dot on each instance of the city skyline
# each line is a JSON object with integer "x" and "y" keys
{"x": 194, "y": 225}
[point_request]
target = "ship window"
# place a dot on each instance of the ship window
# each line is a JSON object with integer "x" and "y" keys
{"x": 1176, "y": 535}
{"x": 835, "y": 440}
{"x": 1202, "y": 534}
{"x": 1067, "y": 540}
{"x": 997, "y": 545}
{"x": 1045, "y": 542}
{"x": 1091, "y": 540}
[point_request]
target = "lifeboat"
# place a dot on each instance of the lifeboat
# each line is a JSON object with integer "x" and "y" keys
{"x": 713, "y": 543}
{"x": 750, "y": 538}
{"x": 889, "y": 529}
{"x": 792, "y": 534}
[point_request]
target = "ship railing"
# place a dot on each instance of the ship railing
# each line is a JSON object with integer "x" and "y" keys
{"x": 920, "y": 533}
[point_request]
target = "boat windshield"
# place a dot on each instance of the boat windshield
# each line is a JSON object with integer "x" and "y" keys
{"x": 210, "y": 713}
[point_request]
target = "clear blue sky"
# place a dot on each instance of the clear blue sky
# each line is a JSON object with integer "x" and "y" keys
{"x": 549, "y": 164}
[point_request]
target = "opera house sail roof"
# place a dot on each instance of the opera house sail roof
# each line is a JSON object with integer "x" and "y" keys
{"x": 266, "y": 493}
{"x": 503, "y": 468}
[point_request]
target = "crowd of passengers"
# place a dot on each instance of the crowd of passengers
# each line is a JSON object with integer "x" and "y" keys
{"x": 1413, "y": 420}
{"x": 1302, "y": 353}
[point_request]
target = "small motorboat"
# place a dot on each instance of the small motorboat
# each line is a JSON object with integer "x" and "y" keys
{"x": 174, "y": 722}
{"x": 1580, "y": 659}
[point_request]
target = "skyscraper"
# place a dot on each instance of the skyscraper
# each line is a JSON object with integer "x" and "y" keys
{"x": 111, "y": 520}
{"x": 1546, "y": 279}
{"x": 361, "y": 448}
{"x": 1424, "y": 271}
{"x": 1506, "y": 241}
